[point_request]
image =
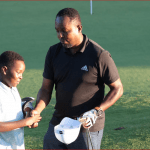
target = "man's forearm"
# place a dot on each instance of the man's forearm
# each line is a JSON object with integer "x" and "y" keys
{"x": 43, "y": 99}
{"x": 111, "y": 98}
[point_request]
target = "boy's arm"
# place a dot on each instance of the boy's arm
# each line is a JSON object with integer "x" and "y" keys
{"x": 8, "y": 126}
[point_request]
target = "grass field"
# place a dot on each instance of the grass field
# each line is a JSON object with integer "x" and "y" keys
{"x": 120, "y": 27}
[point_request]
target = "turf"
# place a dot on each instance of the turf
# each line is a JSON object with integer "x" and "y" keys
{"x": 120, "y": 27}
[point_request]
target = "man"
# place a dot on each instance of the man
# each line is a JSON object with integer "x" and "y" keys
{"x": 79, "y": 68}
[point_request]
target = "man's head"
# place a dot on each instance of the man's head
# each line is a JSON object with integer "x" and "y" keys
{"x": 12, "y": 67}
{"x": 68, "y": 27}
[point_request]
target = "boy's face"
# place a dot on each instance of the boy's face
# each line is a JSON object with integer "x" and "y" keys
{"x": 13, "y": 75}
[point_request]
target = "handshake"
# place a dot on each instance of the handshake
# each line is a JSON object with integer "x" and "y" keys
{"x": 28, "y": 111}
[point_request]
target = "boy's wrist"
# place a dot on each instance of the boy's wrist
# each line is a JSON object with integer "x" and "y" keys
{"x": 25, "y": 122}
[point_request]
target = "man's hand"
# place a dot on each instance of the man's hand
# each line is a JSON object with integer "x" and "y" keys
{"x": 34, "y": 125}
{"x": 34, "y": 112}
{"x": 90, "y": 118}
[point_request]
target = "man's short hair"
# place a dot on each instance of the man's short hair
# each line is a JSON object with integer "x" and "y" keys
{"x": 7, "y": 58}
{"x": 72, "y": 13}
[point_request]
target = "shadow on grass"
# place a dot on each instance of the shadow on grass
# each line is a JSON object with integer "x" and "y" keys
{"x": 132, "y": 113}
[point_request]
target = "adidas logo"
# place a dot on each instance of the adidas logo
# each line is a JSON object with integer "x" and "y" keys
{"x": 84, "y": 68}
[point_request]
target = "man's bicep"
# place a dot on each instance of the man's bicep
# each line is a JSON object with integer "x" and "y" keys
{"x": 117, "y": 89}
{"x": 108, "y": 69}
{"x": 116, "y": 84}
{"x": 48, "y": 67}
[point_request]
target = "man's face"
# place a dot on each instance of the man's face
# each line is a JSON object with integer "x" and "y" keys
{"x": 13, "y": 75}
{"x": 68, "y": 32}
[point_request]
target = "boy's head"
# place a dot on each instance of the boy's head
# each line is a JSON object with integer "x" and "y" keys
{"x": 12, "y": 67}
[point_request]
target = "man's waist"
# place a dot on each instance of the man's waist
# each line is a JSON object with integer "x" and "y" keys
{"x": 56, "y": 119}
{"x": 96, "y": 127}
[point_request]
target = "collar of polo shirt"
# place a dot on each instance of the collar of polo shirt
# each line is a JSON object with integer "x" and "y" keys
{"x": 85, "y": 39}
{"x": 5, "y": 87}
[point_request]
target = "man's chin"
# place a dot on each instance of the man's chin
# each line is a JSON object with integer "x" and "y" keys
{"x": 66, "y": 45}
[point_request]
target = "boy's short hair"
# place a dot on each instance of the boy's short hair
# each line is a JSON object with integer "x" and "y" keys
{"x": 7, "y": 58}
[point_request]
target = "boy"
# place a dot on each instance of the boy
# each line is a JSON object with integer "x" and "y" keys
{"x": 12, "y": 122}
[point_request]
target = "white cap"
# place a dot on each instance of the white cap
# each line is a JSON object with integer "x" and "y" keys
{"x": 68, "y": 130}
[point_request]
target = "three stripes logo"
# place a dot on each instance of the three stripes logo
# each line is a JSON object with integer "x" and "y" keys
{"x": 84, "y": 68}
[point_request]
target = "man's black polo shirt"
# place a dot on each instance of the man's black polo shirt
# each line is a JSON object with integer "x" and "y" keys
{"x": 79, "y": 79}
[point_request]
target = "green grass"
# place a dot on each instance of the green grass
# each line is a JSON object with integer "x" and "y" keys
{"x": 121, "y": 27}
{"x": 131, "y": 111}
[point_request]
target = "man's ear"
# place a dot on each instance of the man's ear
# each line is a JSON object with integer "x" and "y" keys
{"x": 79, "y": 28}
{"x": 4, "y": 69}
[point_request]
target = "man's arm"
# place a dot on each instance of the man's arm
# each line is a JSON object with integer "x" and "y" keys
{"x": 44, "y": 96}
{"x": 116, "y": 91}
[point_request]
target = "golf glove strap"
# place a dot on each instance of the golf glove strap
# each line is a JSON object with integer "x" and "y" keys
{"x": 91, "y": 117}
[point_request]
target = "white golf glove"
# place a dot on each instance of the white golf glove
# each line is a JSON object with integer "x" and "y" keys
{"x": 90, "y": 117}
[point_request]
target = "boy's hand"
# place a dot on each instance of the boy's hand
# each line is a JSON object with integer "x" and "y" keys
{"x": 33, "y": 119}
{"x": 32, "y": 113}
{"x": 34, "y": 125}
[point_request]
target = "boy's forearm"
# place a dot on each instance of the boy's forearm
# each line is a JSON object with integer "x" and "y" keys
{"x": 8, "y": 126}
